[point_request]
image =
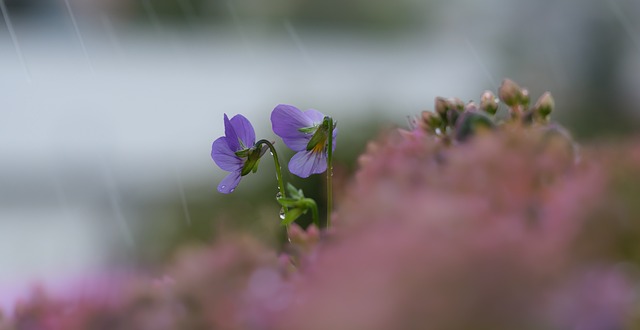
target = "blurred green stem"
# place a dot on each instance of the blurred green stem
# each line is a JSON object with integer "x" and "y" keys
{"x": 329, "y": 169}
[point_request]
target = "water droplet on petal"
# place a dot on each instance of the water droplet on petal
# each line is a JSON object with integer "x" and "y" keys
{"x": 222, "y": 187}
{"x": 232, "y": 190}
{"x": 282, "y": 214}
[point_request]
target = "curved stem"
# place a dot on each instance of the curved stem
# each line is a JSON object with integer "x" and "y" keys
{"x": 329, "y": 171}
{"x": 277, "y": 164}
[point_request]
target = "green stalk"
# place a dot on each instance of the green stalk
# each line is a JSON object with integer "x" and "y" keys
{"x": 329, "y": 171}
{"x": 278, "y": 170}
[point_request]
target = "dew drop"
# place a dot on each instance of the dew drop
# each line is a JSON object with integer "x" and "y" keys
{"x": 278, "y": 195}
{"x": 223, "y": 187}
{"x": 271, "y": 152}
{"x": 232, "y": 190}
{"x": 282, "y": 214}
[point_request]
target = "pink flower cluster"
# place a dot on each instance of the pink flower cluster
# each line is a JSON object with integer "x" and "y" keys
{"x": 511, "y": 229}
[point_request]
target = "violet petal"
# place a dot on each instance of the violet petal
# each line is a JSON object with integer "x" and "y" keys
{"x": 230, "y": 133}
{"x": 223, "y": 156}
{"x": 315, "y": 116}
{"x": 244, "y": 130}
{"x": 335, "y": 135}
{"x": 305, "y": 163}
{"x": 229, "y": 183}
{"x": 286, "y": 121}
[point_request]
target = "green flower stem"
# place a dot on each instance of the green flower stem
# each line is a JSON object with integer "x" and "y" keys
{"x": 329, "y": 171}
{"x": 278, "y": 170}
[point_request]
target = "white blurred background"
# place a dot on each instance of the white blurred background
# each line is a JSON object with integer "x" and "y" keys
{"x": 110, "y": 107}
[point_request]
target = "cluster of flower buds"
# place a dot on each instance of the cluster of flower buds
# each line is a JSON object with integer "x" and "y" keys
{"x": 453, "y": 120}
{"x": 518, "y": 99}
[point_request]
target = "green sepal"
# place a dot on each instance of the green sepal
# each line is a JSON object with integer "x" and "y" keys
{"x": 243, "y": 153}
{"x": 319, "y": 137}
{"x": 307, "y": 130}
{"x": 253, "y": 159}
{"x": 255, "y": 166}
{"x": 249, "y": 166}
{"x": 322, "y": 133}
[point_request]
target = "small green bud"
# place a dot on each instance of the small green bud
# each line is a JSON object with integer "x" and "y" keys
{"x": 488, "y": 103}
{"x": 545, "y": 104}
{"x": 510, "y": 93}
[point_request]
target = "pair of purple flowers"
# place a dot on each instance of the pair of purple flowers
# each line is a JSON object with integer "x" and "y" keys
{"x": 306, "y": 132}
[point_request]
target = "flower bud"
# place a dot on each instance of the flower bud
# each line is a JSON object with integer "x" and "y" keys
{"x": 545, "y": 104}
{"x": 488, "y": 103}
{"x": 431, "y": 120}
{"x": 471, "y": 106}
{"x": 510, "y": 93}
{"x": 524, "y": 97}
{"x": 441, "y": 106}
{"x": 456, "y": 103}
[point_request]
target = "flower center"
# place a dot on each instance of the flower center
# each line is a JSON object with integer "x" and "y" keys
{"x": 318, "y": 148}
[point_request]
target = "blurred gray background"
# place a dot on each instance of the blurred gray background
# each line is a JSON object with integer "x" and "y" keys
{"x": 109, "y": 107}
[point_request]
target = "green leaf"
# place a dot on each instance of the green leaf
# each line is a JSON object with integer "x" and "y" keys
{"x": 290, "y": 202}
{"x": 294, "y": 192}
{"x": 292, "y": 215}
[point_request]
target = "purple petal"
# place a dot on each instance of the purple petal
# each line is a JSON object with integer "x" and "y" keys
{"x": 305, "y": 163}
{"x": 229, "y": 183}
{"x": 286, "y": 121}
{"x": 315, "y": 116}
{"x": 224, "y": 157}
{"x": 244, "y": 130}
{"x": 333, "y": 140}
{"x": 230, "y": 133}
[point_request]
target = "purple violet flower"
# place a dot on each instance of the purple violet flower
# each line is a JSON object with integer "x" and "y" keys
{"x": 236, "y": 152}
{"x": 307, "y": 134}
